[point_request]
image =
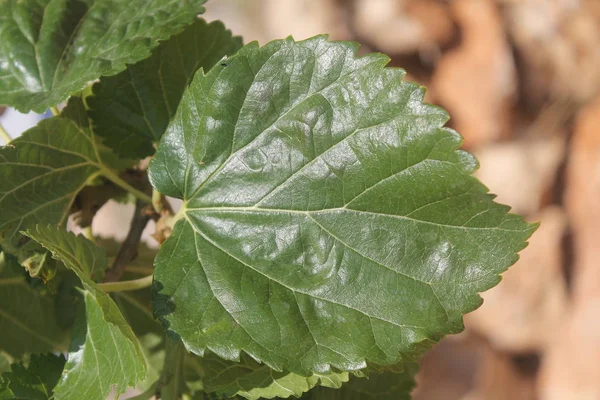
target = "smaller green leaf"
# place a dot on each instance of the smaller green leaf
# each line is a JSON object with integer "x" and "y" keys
{"x": 254, "y": 381}
{"x": 132, "y": 109}
{"x": 35, "y": 381}
{"x": 104, "y": 351}
{"x": 42, "y": 171}
{"x": 34, "y": 331}
{"x": 380, "y": 386}
{"x": 4, "y": 362}
{"x": 52, "y": 48}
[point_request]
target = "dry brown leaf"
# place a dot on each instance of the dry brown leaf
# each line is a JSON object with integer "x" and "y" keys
{"x": 403, "y": 26}
{"x": 476, "y": 82}
{"x": 521, "y": 172}
{"x": 558, "y": 44}
{"x": 571, "y": 369}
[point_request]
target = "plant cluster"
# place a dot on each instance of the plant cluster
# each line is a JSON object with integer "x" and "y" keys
{"x": 330, "y": 232}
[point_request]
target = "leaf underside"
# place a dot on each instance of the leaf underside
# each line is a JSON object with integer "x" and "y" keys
{"x": 28, "y": 318}
{"x": 379, "y": 386}
{"x": 42, "y": 171}
{"x": 104, "y": 352}
{"x": 131, "y": 110}
{"x": 34, "y": 381}
{"x": 254, "y": 381}
{"x": 328, "y": 220}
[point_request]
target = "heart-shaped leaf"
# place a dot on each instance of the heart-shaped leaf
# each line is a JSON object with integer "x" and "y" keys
{"x": 328, "y": 217}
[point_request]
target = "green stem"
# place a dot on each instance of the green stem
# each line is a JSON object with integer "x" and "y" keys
{"x": 55, "y": 111}
{"x": 122, "y": 286}
{"x": 139, "y": 270}
{"x": 5, "y": 136}
{"x": 116, "y": 179}
{"x": 148, "y": 394}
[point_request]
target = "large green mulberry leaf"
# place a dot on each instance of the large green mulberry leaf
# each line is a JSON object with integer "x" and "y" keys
{"x": 50, "y": 49}
{"x": 104, "y": 351}
{"x": 132, "y": 109}
{"x": 28, "y": 318}
{"x": 328, "y": 217}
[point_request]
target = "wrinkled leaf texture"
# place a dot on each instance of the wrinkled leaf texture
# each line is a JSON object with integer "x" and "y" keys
{"x": 328, "y": 217}
{"x": 50, "y": 49}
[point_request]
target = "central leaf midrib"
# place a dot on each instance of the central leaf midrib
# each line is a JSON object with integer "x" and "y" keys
{"x": 341, "y": 209}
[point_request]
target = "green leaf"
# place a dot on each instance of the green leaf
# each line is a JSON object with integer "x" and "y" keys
{"x": 132, "y": 109}
{"x": 27, "y": 315}
{"x": 380, "y": 386}
{"x": 35, "y": 381}
{"x": 254, "y": 381}
{"x": 5, "y": 360}
{"x": 42, "y": 171}
{"x": 328, "y": 218}
{"x": 104, "y": 351}
{"x": 50, "y": 49}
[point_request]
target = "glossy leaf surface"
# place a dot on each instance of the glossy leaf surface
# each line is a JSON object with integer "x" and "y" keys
{"x": 50, "y": 49}
{"x": 104, "y": 351}
{"x": 131, "y": 110}
{"x": 328, "y": 220}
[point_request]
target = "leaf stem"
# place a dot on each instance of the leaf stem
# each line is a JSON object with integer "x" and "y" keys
{"x": 122, "y": 286}
{"x": 55, "y": 111}
{"x": 157, "y": 201}
{"x": 116, "y": 179}
{"x": 4, "y": 134}
{"x": 89, "y": 234}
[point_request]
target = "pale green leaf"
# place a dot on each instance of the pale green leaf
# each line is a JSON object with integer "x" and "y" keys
{"x": 377, "y": 386}
{"x": 42, "y": 171}
{"x": 28, "y": 320}
{"x": 104, "y": 351}
{"x": 254, "y": 381}
{"x": 50, "y": 49}
{"x": 328, "y": 218}
{"x": 132, "y": 109}
{"x": 34, "y": 381}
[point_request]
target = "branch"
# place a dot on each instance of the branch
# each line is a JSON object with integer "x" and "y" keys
{"x": 129, "y": 248}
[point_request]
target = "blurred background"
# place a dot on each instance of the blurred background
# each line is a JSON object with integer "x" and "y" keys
{"x": 521, "y": 80}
